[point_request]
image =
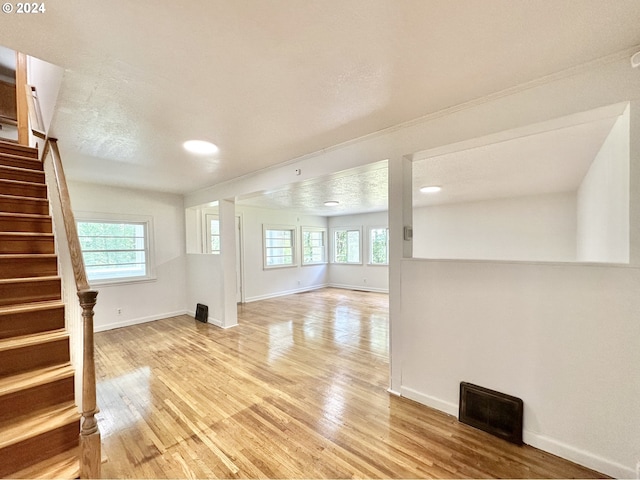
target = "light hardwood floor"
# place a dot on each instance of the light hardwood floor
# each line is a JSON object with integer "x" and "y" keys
{"x": 297, "y": 390}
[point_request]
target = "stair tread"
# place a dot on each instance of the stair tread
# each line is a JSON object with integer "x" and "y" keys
{"x": 12, "y": 144}
{"x": 63, "y": 465}
{"x": 22, "y": 182}
{"x": 21, "y": 157}
{"x": 22, "y": 198}
{"x": 13, "y": 256}
{"x": 33, "y": 378}
{"x": 27, "y": 279}
{"x": 27, "y": 234}
{"x": 31, "y": 307}
{"x": 13, "y": 343}
{"x": 22, "y": 428}
{"x": 34, "y": 216}
{"x": 20, "y": 169}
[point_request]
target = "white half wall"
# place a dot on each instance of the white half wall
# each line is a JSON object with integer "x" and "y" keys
{"x": 564, "y": 338}
{"x": 140, "y": 302}
{"x": 534, "y": 228}
{"x": 204, "y": 285}
{"x": 603, "y": 200}
{"x": 373, "y": 278}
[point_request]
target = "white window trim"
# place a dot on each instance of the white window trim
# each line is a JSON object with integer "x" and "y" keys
{"x": 147, "y": 220}
{"x": 371, "y": 247}
{"x": 294, "y": 259}
{"x": 333, "y": 246}
{"x": 304, "y": 229}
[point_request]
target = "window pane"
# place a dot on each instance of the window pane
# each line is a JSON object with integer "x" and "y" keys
{"x": 278, "y": 249}
{"x": 379, "y": 246}
{"x": 113, "y": 250}
{"x": 353, "y": 246}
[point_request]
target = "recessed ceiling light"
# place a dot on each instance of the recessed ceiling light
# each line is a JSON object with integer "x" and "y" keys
{"x": 430, "y": 189}
{"x": 200, "y": 147}
{"x": 331, "y": 203}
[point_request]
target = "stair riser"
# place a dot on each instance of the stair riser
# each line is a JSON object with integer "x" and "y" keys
{"x": 21, "y": 175}
{"x": 18, "y": 150}
{"x": 24, "y": 190}
{"x": 36, "y": 398}
{"x": 35, "y": 225}
{"x": 28, "y": 267}
{"x": 15, "y": 293}
{"x": 17, "y": 244}
{"x": 27, "y": 323}
{"x": 20, "y": 162}
{"x": 35, "y": 356}
{"x": 33, "y": 450}
{"x": 23, "y": 205}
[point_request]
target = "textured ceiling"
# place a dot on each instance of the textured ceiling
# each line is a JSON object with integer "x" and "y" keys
{"x": 552, "y": 160}
{"x": 271, "y": 80}
{"x": 358, "y": 190}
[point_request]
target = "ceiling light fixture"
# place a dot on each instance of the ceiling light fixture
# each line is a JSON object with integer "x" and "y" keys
{"x": 430, "y": 189}
{"x": 200, "y": 147}
{"x": 331, "y": 203}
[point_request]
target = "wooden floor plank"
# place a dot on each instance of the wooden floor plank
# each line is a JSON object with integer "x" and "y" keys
{"x": 297, "y": 390}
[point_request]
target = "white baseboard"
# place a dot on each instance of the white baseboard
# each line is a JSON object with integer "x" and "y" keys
{"x": 282, "y": 294}
{"x": 429, "y": 401}
{"x": 136, "y": 321}
{"x": 359, "y": 287}
{"x": 588, "y": 459}
{"x": 581, "y": 457}
{"x": 211, "y": 320}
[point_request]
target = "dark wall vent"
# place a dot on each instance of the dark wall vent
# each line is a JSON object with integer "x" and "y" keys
{"x": 494, "y": 412}
{"x": 202, "y": 313}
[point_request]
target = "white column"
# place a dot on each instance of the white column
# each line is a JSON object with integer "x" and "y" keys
{"x": 400, "y": 219}
{"x": 227, "y": 212}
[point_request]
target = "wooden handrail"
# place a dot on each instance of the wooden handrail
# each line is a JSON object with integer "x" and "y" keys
{"x": 68, "y": 217}
{"x": 90, "y": 447}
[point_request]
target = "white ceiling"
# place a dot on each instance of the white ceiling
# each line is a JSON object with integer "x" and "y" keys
{"x": 548, "y": 162}
{"x": 271, "y": 80}
{"x": 358, "y": 190}
{"x": 551, "y": 160}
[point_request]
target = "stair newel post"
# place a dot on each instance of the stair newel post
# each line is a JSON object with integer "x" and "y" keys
{"x": 90, "y": 449}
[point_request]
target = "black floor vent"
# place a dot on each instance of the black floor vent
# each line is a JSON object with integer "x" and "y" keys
{"x": 494, "y": 412}
{"x": 202, "y": 313}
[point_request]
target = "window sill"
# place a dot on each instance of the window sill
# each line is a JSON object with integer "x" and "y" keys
{"x": 120, "y": 281}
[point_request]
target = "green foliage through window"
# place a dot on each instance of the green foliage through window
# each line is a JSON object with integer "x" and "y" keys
{"x": 113, "y": 250}
{"x": 278, "y": 247}
{"x": 313, "y": 246}
{"x": 379, "y": 238}
{"x": 346, "y": 246}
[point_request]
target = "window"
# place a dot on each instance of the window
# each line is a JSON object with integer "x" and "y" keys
{"x": 114, "y": 250}
{"x": 379, "y": 246}
{"x": 279, "y": 246}
{"x": 213, "y": 234}
{"x": 346, "y": 245}
{"x": 314, "y": 246}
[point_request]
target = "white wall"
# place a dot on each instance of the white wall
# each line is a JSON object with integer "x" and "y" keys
{"x": 47, "y": 78}
{"x": 564, "y": 338}
{"x": 365, "y": 276}
{"x": 537, "y": 228}
{"x": 204, "y": 285}
{"x": 260, "y": 283}
{"x": 149, "y": 300}
{"x": 603, "y": 201}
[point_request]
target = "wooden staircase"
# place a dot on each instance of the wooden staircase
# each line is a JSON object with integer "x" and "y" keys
{"x": 39, "y": 421}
